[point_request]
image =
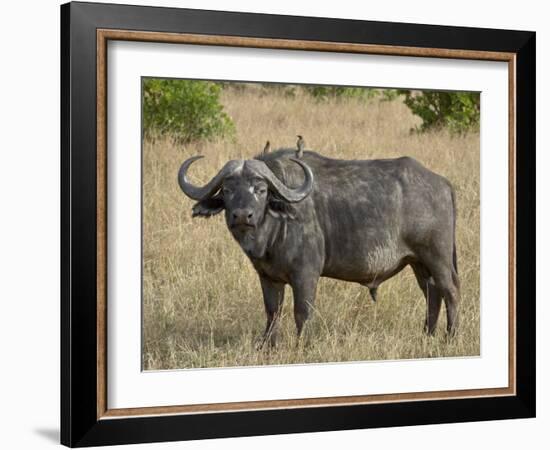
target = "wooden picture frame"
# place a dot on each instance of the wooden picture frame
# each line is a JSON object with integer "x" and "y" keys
{"x": 86, "y": 418}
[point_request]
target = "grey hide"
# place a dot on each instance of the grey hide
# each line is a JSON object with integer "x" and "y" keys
{"x": 361, "y": 221}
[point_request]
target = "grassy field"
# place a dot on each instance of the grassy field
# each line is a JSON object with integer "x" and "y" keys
{"x": 202, "y": 302}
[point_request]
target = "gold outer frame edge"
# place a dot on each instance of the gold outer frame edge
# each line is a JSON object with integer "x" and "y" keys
{"x": 103, "y": 36}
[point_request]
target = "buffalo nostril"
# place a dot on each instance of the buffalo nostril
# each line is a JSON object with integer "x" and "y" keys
{"x": 242, "y": 215}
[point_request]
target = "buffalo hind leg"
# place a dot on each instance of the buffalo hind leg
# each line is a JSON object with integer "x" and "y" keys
{"x": 452, "y": 300}
{"x": 432, "y": 295}
{"x": 446, "y": 280}
{"x": 274, "y": 294}
{"x": 304, "y": 289}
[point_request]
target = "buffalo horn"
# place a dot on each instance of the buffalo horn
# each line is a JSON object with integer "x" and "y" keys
{"x": 290, "y": 195}
{"x": 201, "y": 193}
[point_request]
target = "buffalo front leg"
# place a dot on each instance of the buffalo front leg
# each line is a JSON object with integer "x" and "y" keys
{"x": 274, "y": 294}
{"x": 304, "y": 289}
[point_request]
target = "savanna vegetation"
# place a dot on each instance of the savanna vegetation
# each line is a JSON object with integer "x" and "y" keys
{"x": 202, "y": 302}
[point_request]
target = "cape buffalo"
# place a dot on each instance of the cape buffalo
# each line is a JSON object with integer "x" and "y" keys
{"x": 361, "y": 221}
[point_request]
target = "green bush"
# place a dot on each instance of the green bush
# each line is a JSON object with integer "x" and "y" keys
{"x": 457, "y": 111}
{"x": 188, "y": 110}
{"x": 388, "y": 95}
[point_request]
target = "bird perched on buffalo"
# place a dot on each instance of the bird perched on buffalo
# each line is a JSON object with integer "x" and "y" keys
{"x": 267, "y": 148}
{"x": 300, "y": 144}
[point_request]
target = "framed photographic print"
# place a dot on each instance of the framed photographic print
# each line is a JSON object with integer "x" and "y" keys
{"x": 276, "y": 224}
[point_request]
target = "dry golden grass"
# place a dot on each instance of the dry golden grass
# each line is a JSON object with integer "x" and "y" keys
{"x": 202, "y": 302}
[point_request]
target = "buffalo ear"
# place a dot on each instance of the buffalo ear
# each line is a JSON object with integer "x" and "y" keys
{"x": 209, "y": 207}
{"x": 279, "y": 208}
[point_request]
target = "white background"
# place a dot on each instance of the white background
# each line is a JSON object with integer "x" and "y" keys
{"x": 129, "y": 387}
{"x": 29, "y": 246}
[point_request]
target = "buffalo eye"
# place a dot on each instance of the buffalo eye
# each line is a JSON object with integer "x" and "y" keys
{"x": 260, "y": 190}
{"x": 227, "y": 191}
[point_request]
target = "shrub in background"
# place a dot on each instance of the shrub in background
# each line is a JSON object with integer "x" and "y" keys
{"x": 191, "y": 110}
{"x": 457, "y": 111}
{"x": 186, "y": 109}
{"x": 388, "y": 95}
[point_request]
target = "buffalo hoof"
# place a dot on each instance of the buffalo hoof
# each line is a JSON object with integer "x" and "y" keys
{"x": 265, "y": 344}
